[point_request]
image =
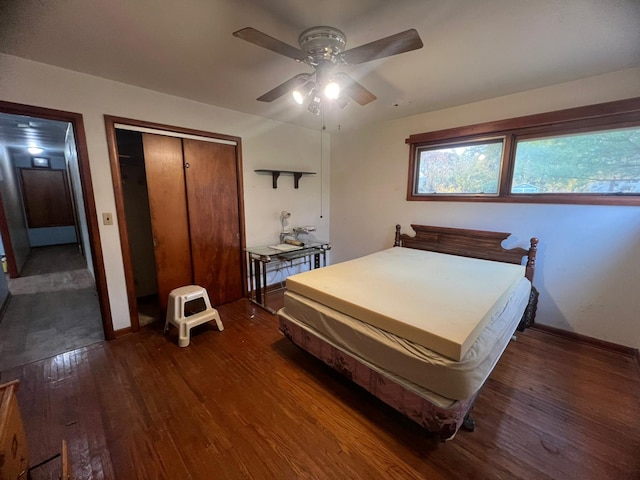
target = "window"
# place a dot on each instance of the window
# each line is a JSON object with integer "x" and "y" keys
{"x": 470, "y": 168}
{"x": 605, "y": 162}
{"x": 585, "y": 155}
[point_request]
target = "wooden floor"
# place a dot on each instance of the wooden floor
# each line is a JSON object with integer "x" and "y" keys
{"x": 246, "y": 403}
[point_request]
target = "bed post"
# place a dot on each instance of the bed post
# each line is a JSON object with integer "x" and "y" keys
{"x": 529, "y": 316}
{"x": 531, "y": 259}
{"x": 397, "y": 241}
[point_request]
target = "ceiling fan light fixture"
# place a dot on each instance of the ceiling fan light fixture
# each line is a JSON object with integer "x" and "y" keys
{"x": 332, "y": 90}
{"x": 300, "y": 94}
{"x": 342, "y": 102}
{"x": 314, "y": 106}
{"x": 298, "y": 97}
{"x": 324, "y": 48}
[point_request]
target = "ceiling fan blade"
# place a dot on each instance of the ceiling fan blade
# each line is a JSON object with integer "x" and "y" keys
{"x": 265, "y": 41}
{"x": 353, "y": 89}
{"x": 385, "y": 47}
{"x": 284, "y": 88}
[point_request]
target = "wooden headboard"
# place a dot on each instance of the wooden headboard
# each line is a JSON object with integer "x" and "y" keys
{"x": 468, "y": 243}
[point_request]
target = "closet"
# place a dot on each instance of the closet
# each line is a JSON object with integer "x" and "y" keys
{"x": 194, "y": 209}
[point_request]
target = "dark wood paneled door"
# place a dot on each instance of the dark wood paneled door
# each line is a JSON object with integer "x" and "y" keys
{"x": 46, "y": 198}
{"x": 195, "y": 215}
{"x": 214, "y": 219}
{"x": 169, "y": 219}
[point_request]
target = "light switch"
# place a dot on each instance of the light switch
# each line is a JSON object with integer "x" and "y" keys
{"x": 107, "y": 218}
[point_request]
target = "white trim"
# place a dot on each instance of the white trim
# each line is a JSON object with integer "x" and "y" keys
{"x": 169, "y": 133}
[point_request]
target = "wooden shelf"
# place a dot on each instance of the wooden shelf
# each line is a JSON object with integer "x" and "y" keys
{"x": 276, "y": 173}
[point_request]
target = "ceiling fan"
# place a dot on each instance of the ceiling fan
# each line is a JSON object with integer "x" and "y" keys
{"x": 323, "y": 48}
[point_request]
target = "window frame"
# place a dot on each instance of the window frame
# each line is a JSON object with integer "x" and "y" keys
{"x": 593, "y": 118}
{"x": 441, "y": 145}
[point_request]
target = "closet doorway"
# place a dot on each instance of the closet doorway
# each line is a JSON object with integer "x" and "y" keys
{"x": 180, "y": 213}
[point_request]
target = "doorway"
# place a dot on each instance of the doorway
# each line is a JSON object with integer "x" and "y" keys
{"x": 180, "y": 213}
{"x": 54, "y": 270}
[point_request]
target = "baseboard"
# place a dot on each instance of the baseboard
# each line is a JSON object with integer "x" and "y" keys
{"x": 121, "y": 332}
{"x": 269, "y": 289}
{"x": 275, "y": 287}
{"x": 589, "y": 340}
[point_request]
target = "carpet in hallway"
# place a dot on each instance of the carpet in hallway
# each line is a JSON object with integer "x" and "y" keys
{"x": 40, "y": 325}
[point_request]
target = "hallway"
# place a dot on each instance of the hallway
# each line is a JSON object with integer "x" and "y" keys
{"x": 53, "y": 308}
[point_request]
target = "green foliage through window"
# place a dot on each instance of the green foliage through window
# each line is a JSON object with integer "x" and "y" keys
{"x": 602, "y": 163}
{"x": 472, "y": 168}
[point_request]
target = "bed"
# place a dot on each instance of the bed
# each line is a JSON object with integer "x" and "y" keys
{"x": 420, "y": 325}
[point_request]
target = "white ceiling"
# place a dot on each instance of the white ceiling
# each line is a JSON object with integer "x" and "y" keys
{"x": 473, "y": 49}
{"x": 18, "y": 133}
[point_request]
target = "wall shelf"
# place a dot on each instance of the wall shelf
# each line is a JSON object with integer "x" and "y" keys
{"x": 275, "y": 174}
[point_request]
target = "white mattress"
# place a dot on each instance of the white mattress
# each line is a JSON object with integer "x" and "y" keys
{"x": 456, "y": 380}
{"x": 441, "y": 302}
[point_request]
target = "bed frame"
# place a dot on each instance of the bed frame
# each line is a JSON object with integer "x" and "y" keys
{"x": 408, "y": 399}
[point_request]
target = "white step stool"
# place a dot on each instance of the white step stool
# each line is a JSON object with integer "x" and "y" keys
{"x": 178, "y": 299}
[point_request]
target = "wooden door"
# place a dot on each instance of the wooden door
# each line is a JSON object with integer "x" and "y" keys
{"x": 169, "y": 219}
{"x": 214, "y": 218}
{"x": 46, "y": 198}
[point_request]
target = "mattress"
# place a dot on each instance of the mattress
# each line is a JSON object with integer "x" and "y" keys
{"x": 456, "y": 380}
{"x": 441, "y": 302}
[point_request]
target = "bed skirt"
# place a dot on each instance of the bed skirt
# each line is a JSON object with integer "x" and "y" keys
{"x": 443, "y": 420}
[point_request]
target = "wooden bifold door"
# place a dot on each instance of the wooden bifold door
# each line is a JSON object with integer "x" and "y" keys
{"x": 195, "y": 215}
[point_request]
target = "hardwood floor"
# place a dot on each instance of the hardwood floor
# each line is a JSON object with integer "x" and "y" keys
{"x": 246, "y": 403}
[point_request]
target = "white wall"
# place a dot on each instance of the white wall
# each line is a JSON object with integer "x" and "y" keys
{"x": 71, "y": 159}
{"x": 14, "y": 213}
{"x": 265, "y": 144}
{"x": 589, "y": 256}
{"x": 4, "y": 284}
